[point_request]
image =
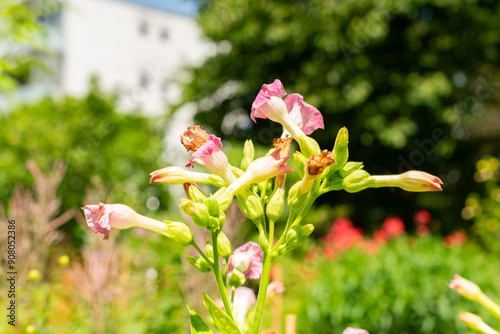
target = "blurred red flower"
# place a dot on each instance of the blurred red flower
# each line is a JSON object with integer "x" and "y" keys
{"x": 422, "y": 217}
{"x": 394, "y": 227}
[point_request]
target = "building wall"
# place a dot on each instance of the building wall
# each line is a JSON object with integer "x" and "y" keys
{"x": 134, "y": 49}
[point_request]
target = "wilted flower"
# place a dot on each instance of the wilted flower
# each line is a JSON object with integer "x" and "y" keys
{"x": 296, "y": 116}
{"x": 412, "y": 180}
{"x": 315, "y": 166}
{"x": 247, "y": 259}
{"x": 465, "y": 287}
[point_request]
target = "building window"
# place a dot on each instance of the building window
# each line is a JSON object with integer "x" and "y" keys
{"x": 143, "y": 28}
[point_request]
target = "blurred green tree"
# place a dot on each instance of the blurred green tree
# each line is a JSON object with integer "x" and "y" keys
{"x": 102, "y": 148}
{"x": 414, "y": 82}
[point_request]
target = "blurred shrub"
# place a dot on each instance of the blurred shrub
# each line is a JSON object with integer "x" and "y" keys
{"x": 101, "y": 148}
{"x": 416, "y": 83}
{"x": 483, "y": 206}
{"x": 401, "y": 288}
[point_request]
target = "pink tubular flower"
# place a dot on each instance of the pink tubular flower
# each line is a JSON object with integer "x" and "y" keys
{"x": 350, "y": 330}
{"x": 262, "y": 169}
{"x": 465, "y": 287}
{"x": 178, "y": 175}
{"x": 100, "y": 218}
{"x": 394, "y": 227}
{"x": 248, "y": 259}
{"x": 412, "y": 180}
{"x": 296, "y": 116}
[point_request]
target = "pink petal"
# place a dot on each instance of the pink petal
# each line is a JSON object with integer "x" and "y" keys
{"x": 255, "y": 254}
{"x": 265, "y": 93}
{"x": 213, "y": 143}
{"x": 307, "y": 117}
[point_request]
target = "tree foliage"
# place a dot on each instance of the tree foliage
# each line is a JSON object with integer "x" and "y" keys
{"x": 414, "y": 82}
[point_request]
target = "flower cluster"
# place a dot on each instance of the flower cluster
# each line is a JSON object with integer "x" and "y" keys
{"x": 262, "y": 201}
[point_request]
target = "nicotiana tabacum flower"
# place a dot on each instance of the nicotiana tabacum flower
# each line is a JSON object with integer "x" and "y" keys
{"x": 102, "y": 217}
{"x": 207, "y": 152}
{"x": 262, "y": 200}
{"x": 248, "y": 260}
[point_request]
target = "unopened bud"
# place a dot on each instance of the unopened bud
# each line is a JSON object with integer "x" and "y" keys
{"x": 224, "y": 197}
{"x": 237, "y": 279}
{"x": 213, "y": 206}
{"x": 308, "y": 146}
{"x": 297, "y": 235}
{"x": 300, "y": 161}
{"x": 250, "y": 205}
{"x": 276, "y": 203}
{"x": 179, "y": 232}
{"x": 349, "y": 168}
{"x": 224, "y": 245}
{"x": 199, "y": 263}
{"x": 412, "y": 180}
{"x": 295, "y": 197}
{"x": 197, "y": 211}
{"x": 357, "y": 181}
{"x": 209, "y": 250}
{"x": 263, "y": 241}
{"x": 194, "y": 193}
{"x": 248, "y": 154}
{"x": 466, "y": 288}
{"x": 475, "y": 322}
{"x": 340, "y": 149}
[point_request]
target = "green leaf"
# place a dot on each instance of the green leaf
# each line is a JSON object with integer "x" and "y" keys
{"x": 198, "y": 326}
{"x": 221, "y": 319}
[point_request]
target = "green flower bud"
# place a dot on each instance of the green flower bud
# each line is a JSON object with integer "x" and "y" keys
{"x": 237, "y": 279}
{"x": 199, "y": 263}
{"x": 276, "y": 203}
{"x": 295, "y": 197}
{"x": 300, "y": 161}
{"x": 213, "y": 206}
{"x": 248, "y": 154}
{"x": 357, "y": 181}
{"x": 297, "y": 235}
{"x": 209, "y": 250}
{"x": 340, "y": 149}
{"x": 263, "y": 242}
{"x": 224, "y": 245}
{"x": 350, "y": 167}
{"x": 194, "y": 193}
{"x": 308, "y": 146}
{"x": 250, "y": 205}
{"x": 213, "y": 223}
{"x": 197, "y": 211}
{"x": 224, "y": 198}
{"x": 179, "y": 232}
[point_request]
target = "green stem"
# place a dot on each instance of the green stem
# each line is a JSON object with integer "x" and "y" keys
{"x": 202, "y": 254}
{"x": 490, "y": 305}
{"x": 218, "y": 277}
{"x": 261, "y": 300}
{"x": 271, "y": 234}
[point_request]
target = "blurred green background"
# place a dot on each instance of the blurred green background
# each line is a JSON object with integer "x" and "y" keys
{"x": 415, "y": 82}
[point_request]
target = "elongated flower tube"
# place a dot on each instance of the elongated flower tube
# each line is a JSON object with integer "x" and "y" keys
{"x": 475, "y": 322}
{"x": 260, "y": 170}
{"x": 297, "y": 117}
{"x": 465, "y": 287}
{"x": 178, "y": 175}
{"x": 412, "y": 180}
{"x": 350, "y": 330}
{"x": 102, "y": 217}
{"x": 207, "y": 152}
{"x": 247, "y": 259}
{"x": 315, "y": 166}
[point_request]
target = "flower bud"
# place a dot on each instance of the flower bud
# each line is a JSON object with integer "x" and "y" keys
{"x": 340, "y": 149}
{"x": 178, "y": 175}
{"x": 199, "y": 263}
{"x": 475, "y": 322}
{"x": 224, "y": 245}
{"x": 465, "y": 287}
{"x": 250, "y": 205}
{"x": 225, "y": 197}
{"x": 197, "y": 211}
{"x": 276, "y": 203}
{"x": 300, "y": 161}
{"x": 213, "y": 207}
{"x": 295, "y": 197}
{"x": 179, "y": 232}
{"x": 194, "y": 193}
{"x": 213, "y": 223}
{"x": 357, "y": 181}
{"x": 308, "y": 146}
{"x": 209, "y": 250}
{"x": 297, "y": 235}
{"x": 350, "y": 167}
{"x": 248, "y": 154}
{"x": 263, "y": 241}
{"x": 237, "y": 279}
{"x": 412, "y": 180}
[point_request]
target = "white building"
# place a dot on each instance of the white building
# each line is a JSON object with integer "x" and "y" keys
{"x": 133, "y": 49}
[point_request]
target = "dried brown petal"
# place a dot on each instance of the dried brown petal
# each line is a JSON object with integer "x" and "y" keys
{"x": 283, "y": 144}
{"x": 194, "y": 138}
{"x": 317, "y": 163}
